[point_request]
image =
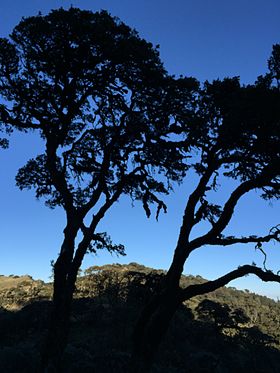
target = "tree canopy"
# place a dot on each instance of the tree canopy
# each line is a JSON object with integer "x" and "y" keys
{"x": 105, "y": 108}
{"x": 98, "y": 94}
{"x": 234, "y": 134}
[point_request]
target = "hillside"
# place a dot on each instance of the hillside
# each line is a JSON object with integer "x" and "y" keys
{"x": 226, "y": 331}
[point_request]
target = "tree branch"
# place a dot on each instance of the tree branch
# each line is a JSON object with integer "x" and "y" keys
{"x": 209, "y": 286}
{"x": 189, "y": 218}
{"x": 226, "y": 241}
{"x": 6, "y": 118}
{"x": 58, "y": 177}
{"x": 228, "y": 211}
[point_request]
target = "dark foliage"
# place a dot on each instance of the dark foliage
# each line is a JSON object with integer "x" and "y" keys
{"x": 106, "y": 304}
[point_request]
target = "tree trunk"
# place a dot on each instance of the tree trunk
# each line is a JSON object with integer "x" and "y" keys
{"x": 156, "y": 316}
{"x": 58, "y": 331}
{"x": 63, "y": 289}
{"x": 151, "y": 327}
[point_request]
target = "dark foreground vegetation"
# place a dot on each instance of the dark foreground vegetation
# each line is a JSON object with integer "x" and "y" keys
{"x": 225, "y": 331}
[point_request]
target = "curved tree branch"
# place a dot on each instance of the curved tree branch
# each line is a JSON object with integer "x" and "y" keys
{"x": 228, "y": 211}
{"x": 209, "y": 286}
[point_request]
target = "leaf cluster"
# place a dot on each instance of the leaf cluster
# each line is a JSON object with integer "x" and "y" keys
{"x": 102, "y": 102}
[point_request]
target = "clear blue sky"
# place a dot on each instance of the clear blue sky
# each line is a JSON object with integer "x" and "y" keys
{"x": 202, "y": 38}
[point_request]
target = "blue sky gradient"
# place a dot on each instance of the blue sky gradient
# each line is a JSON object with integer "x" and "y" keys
{"x": 205, "y": 39}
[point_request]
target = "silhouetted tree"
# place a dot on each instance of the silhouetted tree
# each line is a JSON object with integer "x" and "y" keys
{"x": 235, "y": 135}
{"x": 104, "y": 107}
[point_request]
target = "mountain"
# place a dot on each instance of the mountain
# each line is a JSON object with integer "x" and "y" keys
{"x": 226, "y": 331}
